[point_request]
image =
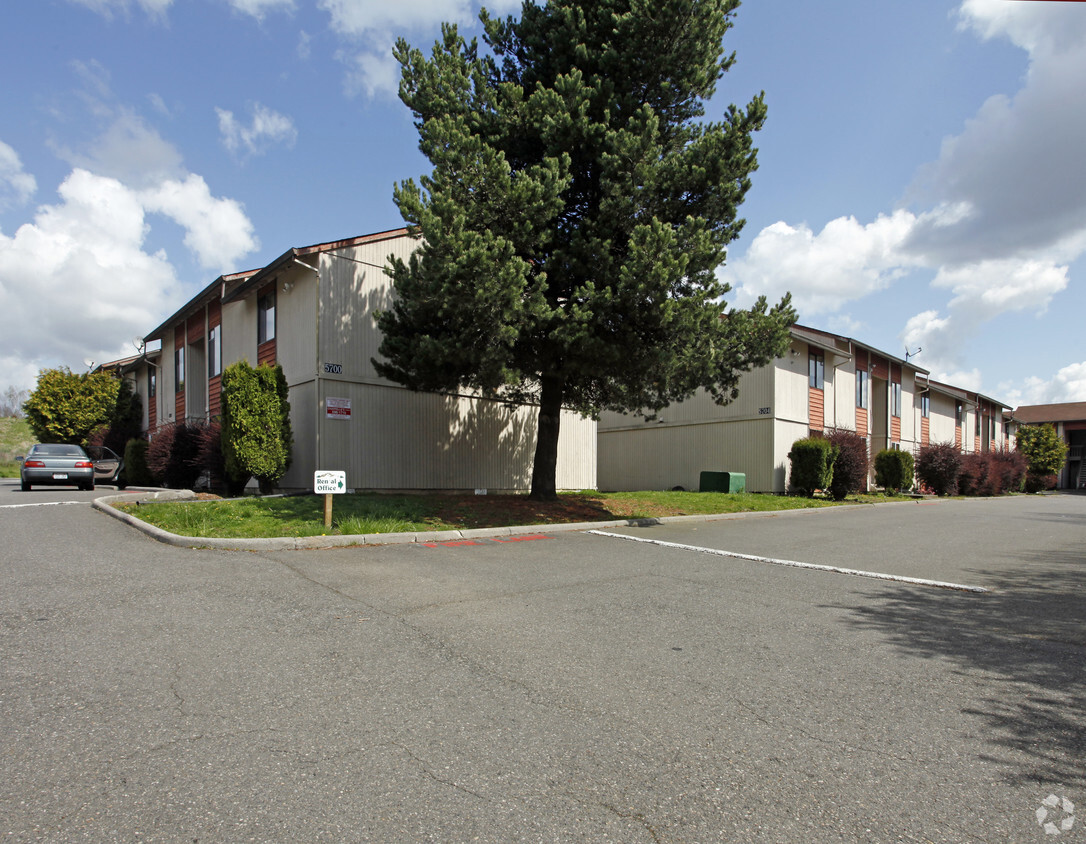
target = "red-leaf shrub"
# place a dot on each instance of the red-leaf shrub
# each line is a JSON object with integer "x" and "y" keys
{"x": 938, "y": 466}
{"x": 850, "y": 468}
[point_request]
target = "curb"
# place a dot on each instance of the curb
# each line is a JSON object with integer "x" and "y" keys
{"x": 301, "y": 543}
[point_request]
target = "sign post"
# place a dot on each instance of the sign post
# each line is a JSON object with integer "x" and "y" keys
{"x": 329, "y": 483}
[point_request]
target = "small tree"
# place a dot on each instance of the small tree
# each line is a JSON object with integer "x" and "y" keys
{"x": 172, "y": 455}
{"x": 11, "y": 402}
{"x": 852, "y": 463}
{"x": 68, "y": 408}
{"x": 1043, "y": 448}
{"x": 256, "y": 434}
{"x": 938, "y": 466}
{"x": 894, "y": 470}
{"x": 812, "y": 464}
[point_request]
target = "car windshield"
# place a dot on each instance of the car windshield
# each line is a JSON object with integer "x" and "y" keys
{"x": 58, "y": 450}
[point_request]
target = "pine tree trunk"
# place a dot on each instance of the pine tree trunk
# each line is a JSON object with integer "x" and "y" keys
{"x": 545, "y": 467}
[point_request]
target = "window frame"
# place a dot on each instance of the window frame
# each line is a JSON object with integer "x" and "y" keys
{"x": 816, "y": 369}
{"x": 214, "y": 351}
{"x": 863, "y": 389}
{"x": 179, "y": 369}
{"x": 266, "y": 317}
{"x": 895, "y": 399}
{"x": 925, "y": 406}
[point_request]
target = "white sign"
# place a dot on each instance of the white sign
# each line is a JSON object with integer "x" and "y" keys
{"x": 329, "y": 482}
{"x": 337, "y": 408}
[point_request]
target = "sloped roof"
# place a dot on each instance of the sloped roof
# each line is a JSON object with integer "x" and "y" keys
{"x": 1065, "y": 412}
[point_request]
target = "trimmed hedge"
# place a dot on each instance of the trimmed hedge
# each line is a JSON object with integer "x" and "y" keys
{"x": 812, "y": 461}
{"x": 894, "y": 470}
{"x": 136, "y": 472}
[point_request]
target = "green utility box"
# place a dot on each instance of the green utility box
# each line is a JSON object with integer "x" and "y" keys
{"x": 722, "y": 482}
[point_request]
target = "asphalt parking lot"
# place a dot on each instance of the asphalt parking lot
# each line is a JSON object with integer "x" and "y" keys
{"x": 558, "y": 687}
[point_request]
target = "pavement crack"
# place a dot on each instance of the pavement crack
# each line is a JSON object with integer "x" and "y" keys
{"x": 424, "y": 766}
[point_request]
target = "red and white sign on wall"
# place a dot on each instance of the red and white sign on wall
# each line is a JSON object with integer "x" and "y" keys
{"x": 337, "y": 408}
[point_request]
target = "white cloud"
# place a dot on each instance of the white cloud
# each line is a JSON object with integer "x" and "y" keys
{"x": 266, "y": 128}
{"x": 371, "y": 74}
{"x": 1018, "y": 162}
{"x": 107, "y": 8}
{"x": 16, "y": 185}
{"x": 77, "y": 282}
{"x": 844, "y": 262}
{"x": 1067, "y": 385}
{"x": 258, "y": 8}
{"x": 989, "y": 288}
{"x": 216, "y": 229}
{"x": 128, "y": 150}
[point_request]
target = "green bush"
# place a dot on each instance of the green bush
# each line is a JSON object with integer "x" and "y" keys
{"x": 894, "y": 470}
{"x": 135, "y": 463}
{"x": 69, "y": 408}
{"x": 812, "y": 461}
{"x": 1043, "y": 448}
{"x": 938, "y": 466}
{"x": 852, "y": 463}
{"x": 256, "y": 435}
{"x": 1038, "y": 483}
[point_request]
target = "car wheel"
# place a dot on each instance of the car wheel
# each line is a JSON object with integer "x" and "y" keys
{"x": 89, "y": 487}
{"x": 25, "y": 486}
{"x": 121, "y": 483}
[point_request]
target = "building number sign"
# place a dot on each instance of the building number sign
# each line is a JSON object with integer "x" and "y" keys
{"x": 333, "y": 368}
{"x": 765, "y": 411}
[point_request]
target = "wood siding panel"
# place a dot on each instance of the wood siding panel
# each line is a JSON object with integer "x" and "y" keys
{"x": 265, "y": 353}
{"x": 861, "y": 421}
{"x": 196, "y": 331}
{"x": 816, "y": 404}
{"x": 925, "y": 431}
{"x": 895, "y": 429}
{"x": 214, "y": 396}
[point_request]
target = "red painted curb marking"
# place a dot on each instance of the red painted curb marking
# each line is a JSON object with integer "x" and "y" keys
{"x": 452, "y": 543}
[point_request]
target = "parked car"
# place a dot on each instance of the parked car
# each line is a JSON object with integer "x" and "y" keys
{"x": 108, "y": 466}
{"x": 56, "y": 464}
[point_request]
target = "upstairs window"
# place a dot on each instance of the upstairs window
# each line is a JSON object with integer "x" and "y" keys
{"x": 152, "y": 383}
{"x": 214, "y": 351}
{"x": 895, "y": 400}
{"x": 265, "y": 317}
{"x": 958, "y": 414}
{"x": 863, "y": 388}
{"x": 925, "y": 406}
{"x": 816, "y": 370}
{"x": 179, "y": 370}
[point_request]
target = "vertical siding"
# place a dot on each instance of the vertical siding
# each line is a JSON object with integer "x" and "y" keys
{"x": 663, "y": 457}
{"x": 296, "y": 329}
{"x": 399, "y": 439}
{"x": 303, "y": 426}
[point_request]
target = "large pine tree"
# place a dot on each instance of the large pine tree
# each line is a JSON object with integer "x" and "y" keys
{"x": 576, "y": 214}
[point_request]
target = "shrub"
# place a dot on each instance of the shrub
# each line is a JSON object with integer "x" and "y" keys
{"x": 1043, "y": 448}
{"x": 135, "y": 463}
{"x": 852, "y": 463}
{"x": 1037, "y": 483}
{"x": 67, "y": 408}
{"x": 894, "y": 470}
{"x": 812, "y": 464}
{"x": 1010, "y": 466}
{"x": 172, "y": 455}
{"x": 938, "y": 466}
{"x": 256, "y": 435}
{"x": 975, "y": 477}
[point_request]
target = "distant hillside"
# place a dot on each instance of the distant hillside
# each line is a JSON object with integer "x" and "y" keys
{"x": 15, "y": 439}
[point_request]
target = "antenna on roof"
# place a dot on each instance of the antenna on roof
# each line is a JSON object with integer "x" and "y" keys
{"x": 909, "y": 354}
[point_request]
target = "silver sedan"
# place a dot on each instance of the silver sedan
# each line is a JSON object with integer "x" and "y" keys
{"x": 56, "y": 464}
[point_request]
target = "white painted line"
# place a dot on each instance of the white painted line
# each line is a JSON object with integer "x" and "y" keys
{"x": 897, "y": 578}
{"x": 40, "y": 504}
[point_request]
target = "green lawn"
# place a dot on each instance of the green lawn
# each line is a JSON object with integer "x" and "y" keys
{"x": 372, "y": 513}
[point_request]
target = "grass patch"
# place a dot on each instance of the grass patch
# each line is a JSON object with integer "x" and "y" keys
{"x": 15, "y": 439}
{"x": 368, "y": 513}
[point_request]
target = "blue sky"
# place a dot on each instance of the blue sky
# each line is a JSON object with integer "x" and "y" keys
{"x": 922, "y": 180}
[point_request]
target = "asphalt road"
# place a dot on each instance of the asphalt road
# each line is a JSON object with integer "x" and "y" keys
{"x": 571, "y": 687}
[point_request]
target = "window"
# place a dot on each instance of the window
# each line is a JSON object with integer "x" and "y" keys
{"x": 152, "y": 383}
{"x": 214, "y": 351}
{"x": 179, "y": 370}
{"x": 895, "y": 400}
{"x": 895, "y": 446}
{"x": 992, "y": 427}
{"x": 816, "y": 370}
{"x": 925, "y": 406}
{"x": 863, "y": 388}
{"x": 265, "y": 318}
{"x": 976, "y": 422}
{"x": 958, "y": 414}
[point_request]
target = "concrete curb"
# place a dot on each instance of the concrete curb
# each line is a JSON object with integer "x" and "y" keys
{"x": 286, "y": 543}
